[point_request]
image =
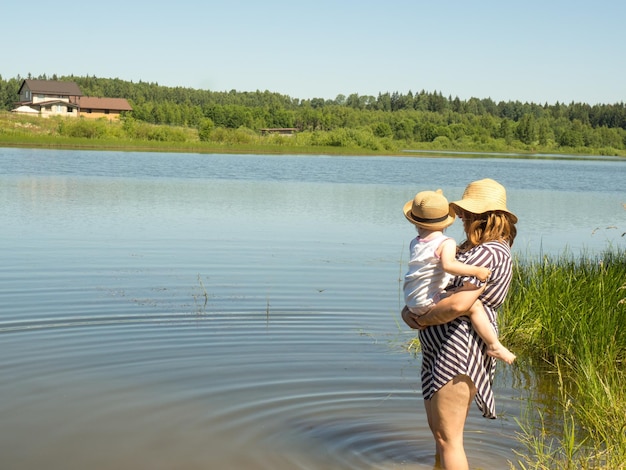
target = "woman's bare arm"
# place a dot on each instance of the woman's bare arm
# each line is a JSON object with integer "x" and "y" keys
{"x": 455, "y": 305}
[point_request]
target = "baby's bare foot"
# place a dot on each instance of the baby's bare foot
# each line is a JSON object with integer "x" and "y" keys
{"x": 500, "y": 352}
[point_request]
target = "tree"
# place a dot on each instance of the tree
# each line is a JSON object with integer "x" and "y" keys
{"x": 526, "y": 129}
{"x": 384, "y": 102}
{"x": 425, "y": 132}
{"x": 506, "y": 131}
{"x": 382, "y": 129}
{"x": 545, "y": 133}
{"x": 353, "y": 101}
{"x": 437, "y": 103}
{"x": 204, "y": 129}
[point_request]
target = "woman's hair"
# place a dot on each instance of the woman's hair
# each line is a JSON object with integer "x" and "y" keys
{"x": 488, "y": 227}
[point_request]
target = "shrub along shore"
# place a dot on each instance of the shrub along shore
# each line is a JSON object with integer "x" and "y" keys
{"x": 566, "y": 318}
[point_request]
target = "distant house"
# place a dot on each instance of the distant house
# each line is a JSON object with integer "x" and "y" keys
{"x": 110, "y": 108}
{"x": 55, "y": 98}
{"x": 49, "y": 97}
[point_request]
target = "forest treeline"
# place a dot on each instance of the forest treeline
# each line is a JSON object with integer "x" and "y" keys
{"x": 388, "y": 120}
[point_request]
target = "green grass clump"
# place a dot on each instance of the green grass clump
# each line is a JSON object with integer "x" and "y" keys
{"x": 569, "y": 315}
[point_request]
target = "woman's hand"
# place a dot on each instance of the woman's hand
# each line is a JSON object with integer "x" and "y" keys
{"x": 411, "y": 319}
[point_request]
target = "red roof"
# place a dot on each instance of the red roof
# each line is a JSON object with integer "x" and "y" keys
{"x": 113, "y": 104}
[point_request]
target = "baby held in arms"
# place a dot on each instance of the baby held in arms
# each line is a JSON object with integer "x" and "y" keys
{"x": 433, "y": 263}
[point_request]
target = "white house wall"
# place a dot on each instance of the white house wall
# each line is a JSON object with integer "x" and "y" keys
{"x": 41, "y": 98}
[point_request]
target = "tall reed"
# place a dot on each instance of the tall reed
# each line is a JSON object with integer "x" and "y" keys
{"x": 569, "y": 315}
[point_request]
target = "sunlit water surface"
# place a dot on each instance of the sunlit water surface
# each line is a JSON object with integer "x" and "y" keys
{"x": 180, "y": 311}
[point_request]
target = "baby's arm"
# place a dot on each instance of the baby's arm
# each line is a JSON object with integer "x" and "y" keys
{"x": 450, "y": 264}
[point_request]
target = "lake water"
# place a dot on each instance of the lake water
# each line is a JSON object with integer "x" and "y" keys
{"x": 183, "y": 311}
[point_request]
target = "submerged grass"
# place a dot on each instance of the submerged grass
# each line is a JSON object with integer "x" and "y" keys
{"x": 567, "y": 316}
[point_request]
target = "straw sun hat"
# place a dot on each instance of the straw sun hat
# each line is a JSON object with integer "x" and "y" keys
{"x": 482, "y": 196}
{"x": 429, "y": 210}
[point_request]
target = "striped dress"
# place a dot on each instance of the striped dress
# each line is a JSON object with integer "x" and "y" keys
{"x": 454, "y": 348}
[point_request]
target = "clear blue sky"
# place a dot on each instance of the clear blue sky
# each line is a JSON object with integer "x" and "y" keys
{"x": 536, "y": 50}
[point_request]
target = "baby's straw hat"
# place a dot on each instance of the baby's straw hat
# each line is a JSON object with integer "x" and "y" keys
{"x": 429, "y": 210}
{"x": 482, "y": 196}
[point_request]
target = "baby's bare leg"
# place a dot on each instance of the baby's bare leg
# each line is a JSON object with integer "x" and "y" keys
{"x": 483, "y": 327}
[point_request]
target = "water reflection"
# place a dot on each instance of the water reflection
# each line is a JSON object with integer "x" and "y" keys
{"x": 179, "y": 311}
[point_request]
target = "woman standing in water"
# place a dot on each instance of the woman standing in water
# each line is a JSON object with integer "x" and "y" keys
{"x": 456, "y": 368}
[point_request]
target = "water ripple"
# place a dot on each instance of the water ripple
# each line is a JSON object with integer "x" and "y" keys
{"x": 292, "y": 385}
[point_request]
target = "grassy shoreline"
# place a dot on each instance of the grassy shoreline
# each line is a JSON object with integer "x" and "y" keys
{"x": 77, "y": 134}
{"x": 566, "y": 316}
